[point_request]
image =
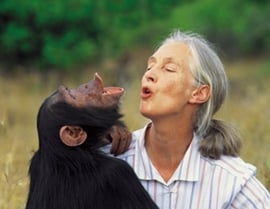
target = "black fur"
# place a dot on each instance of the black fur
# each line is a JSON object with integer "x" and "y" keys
{"x": 81, "y": 177}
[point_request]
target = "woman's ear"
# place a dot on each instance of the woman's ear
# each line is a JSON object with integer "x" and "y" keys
{"x": 72, "y": 136}
{"x": 200, "y": 95}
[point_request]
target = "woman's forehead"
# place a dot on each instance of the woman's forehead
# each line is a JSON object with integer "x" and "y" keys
{"x": 174, "y": 50}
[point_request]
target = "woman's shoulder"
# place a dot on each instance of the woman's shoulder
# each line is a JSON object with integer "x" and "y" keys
{"x": 138, "y": 134}
{"x": 234, "y": 166}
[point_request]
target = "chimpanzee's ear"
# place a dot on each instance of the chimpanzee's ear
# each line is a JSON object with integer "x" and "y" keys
{"x": 72, "y": 136}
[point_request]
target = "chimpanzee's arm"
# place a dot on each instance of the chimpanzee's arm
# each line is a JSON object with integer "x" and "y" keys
{"x": 120, "y": 137}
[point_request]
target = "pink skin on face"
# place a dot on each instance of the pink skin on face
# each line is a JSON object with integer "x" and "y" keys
{"x": 167, "y": 85}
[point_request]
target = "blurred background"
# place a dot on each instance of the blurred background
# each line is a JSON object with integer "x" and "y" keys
{"x": 47, "y": 43}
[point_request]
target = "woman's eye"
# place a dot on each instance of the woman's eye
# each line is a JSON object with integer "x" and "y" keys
{"x": 170, "y": 70}
{"x": 148, "y": 68}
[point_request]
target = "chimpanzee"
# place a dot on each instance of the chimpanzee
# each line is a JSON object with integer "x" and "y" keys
{"x": 68, "y": 171}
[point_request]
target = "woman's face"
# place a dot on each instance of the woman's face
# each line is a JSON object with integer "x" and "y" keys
{"x": 167, "y": 84}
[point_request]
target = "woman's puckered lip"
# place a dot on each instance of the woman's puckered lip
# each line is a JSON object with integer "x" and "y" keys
{"x": 146, "y": 92}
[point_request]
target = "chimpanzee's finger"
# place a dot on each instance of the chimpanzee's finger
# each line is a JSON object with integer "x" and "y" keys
{"x": 124, "y": 142}
{"x": 116, "y": 140}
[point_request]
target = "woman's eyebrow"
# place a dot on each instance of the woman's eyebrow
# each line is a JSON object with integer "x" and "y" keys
{"x": 151, "y": 59}
{"x": 171, "y": 60}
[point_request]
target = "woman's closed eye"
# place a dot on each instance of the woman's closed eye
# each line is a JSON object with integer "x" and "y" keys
{"x": 149, "y": 67}
{"x": 170, "y": 68}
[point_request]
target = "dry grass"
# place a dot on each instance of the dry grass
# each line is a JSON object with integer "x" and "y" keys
{"x": 22, "y": 94}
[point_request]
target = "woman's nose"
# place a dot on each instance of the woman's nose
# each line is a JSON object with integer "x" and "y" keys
{"x": 150, "y": 76}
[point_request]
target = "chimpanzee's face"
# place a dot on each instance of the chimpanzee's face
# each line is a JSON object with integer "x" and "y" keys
{"x": 92, "y": 94}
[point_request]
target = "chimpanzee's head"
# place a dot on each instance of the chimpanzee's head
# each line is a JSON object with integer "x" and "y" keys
{"x": 75, "y": 117}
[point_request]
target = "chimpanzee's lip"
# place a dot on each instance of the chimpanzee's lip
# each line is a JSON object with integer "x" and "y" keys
{"x": 116, "y": 91}
{"x": 112, "y": 90}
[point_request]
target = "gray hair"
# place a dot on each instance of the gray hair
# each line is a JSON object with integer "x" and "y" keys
{"x": 218, "y": 136}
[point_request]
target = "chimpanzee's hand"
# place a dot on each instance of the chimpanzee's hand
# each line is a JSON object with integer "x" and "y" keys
{"x": 120, "y": 138}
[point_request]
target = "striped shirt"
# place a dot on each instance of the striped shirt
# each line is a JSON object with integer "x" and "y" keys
{"x": 198, "y": 182}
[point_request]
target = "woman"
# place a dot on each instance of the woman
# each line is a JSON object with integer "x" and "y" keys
{"x": 184, "y": 157}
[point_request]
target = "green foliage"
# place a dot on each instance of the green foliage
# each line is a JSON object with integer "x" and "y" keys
{"x": 238, "y": 26}
{"x": 48, "y": 33}
{"x": 69, "y": 33}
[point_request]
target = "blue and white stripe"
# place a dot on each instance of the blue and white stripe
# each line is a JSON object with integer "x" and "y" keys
{"x": 199, "y": 182}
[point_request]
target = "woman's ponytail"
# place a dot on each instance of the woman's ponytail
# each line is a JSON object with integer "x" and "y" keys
{"x": 221, "y": 139}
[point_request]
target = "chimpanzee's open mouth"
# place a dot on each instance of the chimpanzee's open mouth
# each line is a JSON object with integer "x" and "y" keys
{"x": 117, "y": 91}
{"x": 94, "y": 87}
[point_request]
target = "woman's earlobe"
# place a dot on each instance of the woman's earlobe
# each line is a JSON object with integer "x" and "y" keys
{"x": 72, "y": 136}
{"x": 200, "y": 95}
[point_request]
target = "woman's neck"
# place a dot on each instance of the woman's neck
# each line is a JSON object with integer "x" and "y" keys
{"x": 166, "y": 145}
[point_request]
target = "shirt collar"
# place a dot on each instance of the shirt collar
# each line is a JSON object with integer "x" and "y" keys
{"x": 188, "y": 169}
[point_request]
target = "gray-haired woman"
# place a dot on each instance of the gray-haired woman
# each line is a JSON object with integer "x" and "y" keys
{"x": 184, "y": 157}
